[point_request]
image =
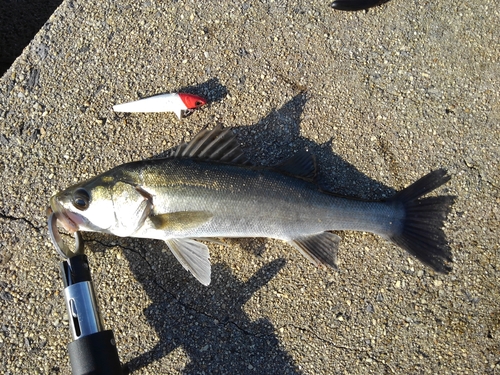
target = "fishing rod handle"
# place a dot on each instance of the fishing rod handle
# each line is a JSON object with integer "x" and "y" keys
{"x": 93, "y": 350}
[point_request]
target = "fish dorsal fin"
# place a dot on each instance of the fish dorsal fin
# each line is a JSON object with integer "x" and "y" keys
{"x": 302, "y": 164}
{"x": 217, "y": 144}
{"x": 321, "y": 248}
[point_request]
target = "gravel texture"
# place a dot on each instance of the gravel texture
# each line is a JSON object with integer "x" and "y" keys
{"x": 381, "y": 96}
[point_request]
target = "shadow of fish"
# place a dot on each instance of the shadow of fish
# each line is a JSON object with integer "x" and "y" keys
{"x": 206, "y": 189}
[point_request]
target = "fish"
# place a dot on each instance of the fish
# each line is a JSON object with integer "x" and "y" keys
{"x": 208, "y": 189}
{"x": 181, "y": 104}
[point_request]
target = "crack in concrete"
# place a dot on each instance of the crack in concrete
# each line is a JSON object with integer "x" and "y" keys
{"x": 13, "y": 218}
{"x": 345, "y": 347}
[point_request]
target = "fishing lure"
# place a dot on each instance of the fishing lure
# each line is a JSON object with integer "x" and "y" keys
{"x": 181, "y": 104}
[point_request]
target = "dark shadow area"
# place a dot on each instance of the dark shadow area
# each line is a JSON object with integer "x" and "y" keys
{"x": 211, "y": 327}
{"x": 277, "y": 137}
{"x": 354, "y": 5}
{"x": 209, "y": 323}
{"x": 20, "y": 20}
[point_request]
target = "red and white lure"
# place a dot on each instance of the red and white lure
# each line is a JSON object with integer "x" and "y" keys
{"x": 181, "y": 104}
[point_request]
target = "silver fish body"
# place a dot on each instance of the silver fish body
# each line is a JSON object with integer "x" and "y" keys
{"x": 205, "y": 189}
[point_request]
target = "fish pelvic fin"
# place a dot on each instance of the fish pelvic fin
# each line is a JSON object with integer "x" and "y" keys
{"x": 321, "y": 248}
{"x": 421, "y": 231}
{"x": 193, "y": 256}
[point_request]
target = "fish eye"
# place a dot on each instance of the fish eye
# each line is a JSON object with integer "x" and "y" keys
{"x": 198, "y": 103}
{"x": 81, "y": 199}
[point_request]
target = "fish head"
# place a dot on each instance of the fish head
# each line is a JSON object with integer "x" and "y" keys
{"x": 103, "y": 204}
{"x": 192, "y": 101}
{"x": 86, "y": 206}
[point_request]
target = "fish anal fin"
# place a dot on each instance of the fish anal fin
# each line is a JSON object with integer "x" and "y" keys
{"x": 193, "y": 256}
{"x": 302, "y": 165}
{"x": 321, "y": 248}
{"x": 180, "y": 220}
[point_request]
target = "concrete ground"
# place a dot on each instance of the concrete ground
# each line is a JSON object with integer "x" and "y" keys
{"x": 382, "y": 97}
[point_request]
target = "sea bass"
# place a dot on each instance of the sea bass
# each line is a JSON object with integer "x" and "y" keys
{"x": 207, "y": 189}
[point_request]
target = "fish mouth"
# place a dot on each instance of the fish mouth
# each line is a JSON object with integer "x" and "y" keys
{"x": 66, "y": 218}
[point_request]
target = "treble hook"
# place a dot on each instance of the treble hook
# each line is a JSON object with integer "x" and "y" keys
{"x": 62, "y": 249}
{"x": 187, "y": 112}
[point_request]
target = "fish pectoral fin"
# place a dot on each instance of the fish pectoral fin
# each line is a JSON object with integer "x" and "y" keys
{"x": 193, "y": 256}
{"x": 321, "y": 248}
{"x": 142, "y": 212}
{"x": 180, "y": 220}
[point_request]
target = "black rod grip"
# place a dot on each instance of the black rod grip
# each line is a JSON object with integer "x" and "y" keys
{"x": 95, "y": 354}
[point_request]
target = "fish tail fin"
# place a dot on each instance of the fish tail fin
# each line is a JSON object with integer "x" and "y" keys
{"x": 421, "y": 231}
